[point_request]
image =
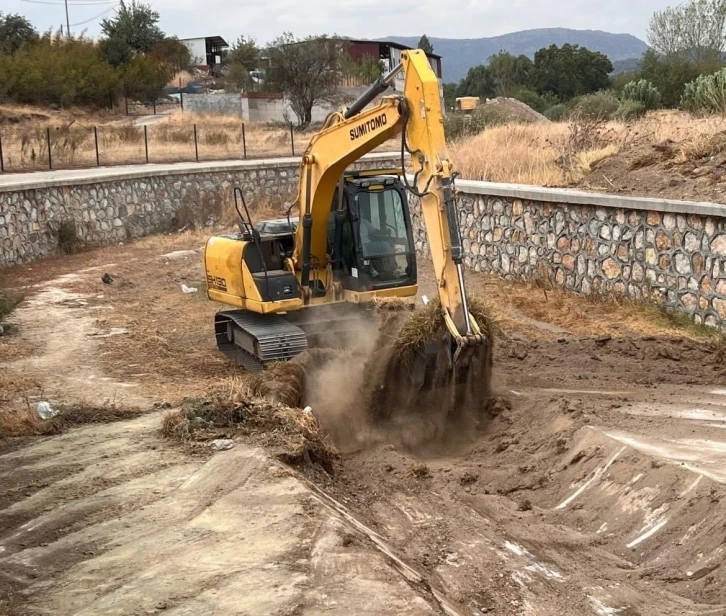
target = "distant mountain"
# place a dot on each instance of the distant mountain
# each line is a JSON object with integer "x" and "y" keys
{"x": 459, "y": 55}
{"x": 626, "y": 66}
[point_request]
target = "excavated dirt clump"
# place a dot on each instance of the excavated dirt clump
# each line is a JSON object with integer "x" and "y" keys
{"x": 293, "y": 433}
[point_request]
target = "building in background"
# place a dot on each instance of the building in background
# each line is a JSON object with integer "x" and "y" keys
{"x": 206, "y": 52}
{"x": 389, "y": 53}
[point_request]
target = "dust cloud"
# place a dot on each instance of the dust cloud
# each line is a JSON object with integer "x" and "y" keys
{"x": 363, "y": 395}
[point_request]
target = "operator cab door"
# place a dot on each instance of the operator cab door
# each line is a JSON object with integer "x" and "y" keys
{"x": 377, "y": 249}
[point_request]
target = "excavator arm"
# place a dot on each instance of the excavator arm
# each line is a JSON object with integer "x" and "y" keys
{"x": 417, "y": 117}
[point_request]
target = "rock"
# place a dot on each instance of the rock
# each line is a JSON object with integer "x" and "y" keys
{"x": 718, "y": 245}
{"x": 611, "y": 268}
{"x": 221, "y": 444}
{"x": 568, "y": 261}
{"x": 650, "y": 256}
{"x": 719, "y": 306}
{"x": 690, "y": 302}
{"x": 662, "y": 241}
{"x": 653, "y": 219}
{"x": 682, "y": 263}
{"x": 669, "y": 221}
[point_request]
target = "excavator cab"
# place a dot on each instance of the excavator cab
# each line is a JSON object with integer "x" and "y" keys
{"x": 370, "y": 236}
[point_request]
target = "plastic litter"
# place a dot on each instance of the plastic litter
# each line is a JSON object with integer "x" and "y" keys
{"x": 45, "y": 411}
{"x": 186, "y": 289}
{"x": 222, "y": 444}
{"x": 425, "y": 300}
{"x": 308, "y": 409}
{"x": 106, "y": 279}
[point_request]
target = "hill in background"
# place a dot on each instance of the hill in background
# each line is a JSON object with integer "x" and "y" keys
{"x": 459, "y": 55}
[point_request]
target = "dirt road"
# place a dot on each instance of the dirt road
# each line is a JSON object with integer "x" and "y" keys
{"x": 595, "y": 486}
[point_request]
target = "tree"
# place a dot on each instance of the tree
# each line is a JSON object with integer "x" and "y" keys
{"x": 478, "y": 82}
{"x": 136, "y": 25}
{"x": 242, "y": 58}
{"x": 509, "y": 71}
{"x": 696, "y": 30}
{"x": 15, "y": 31}
{"x": 570, "y": 71}
{"x": 173, "y": 53}
{"x": 449, "y": 95}
{"x": 670, "y": 74}
{"x": 307, "y": 71}
{"x": 425, "y": 45}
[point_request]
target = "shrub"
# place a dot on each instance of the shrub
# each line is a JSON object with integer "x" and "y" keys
{"x": 630, "y": 110}
{"x": 707, "y": 94}
{"x": 67, "y": 237}
{"x": 600, "y": 106}
{"x": 644, "y": 92}
{"x": 557, "y": 113}
{"x": 483, "y": 117}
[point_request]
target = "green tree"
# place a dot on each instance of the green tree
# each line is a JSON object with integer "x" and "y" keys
{"x": 306, "y": 70}
{"x": 15, "y": 31}
{"x": 478, "y": 82}
{"x": 136, "y": 24}
{"x": 144, "y": 77}
{"x": 243, "y": 57}
{"x": 449, "y": 95}
{"x": 570, "y": 71}
{"x": 64, "y": 71}
{"x": 670, "y": 74}
{"x": 173, "y": 53}
{"x": 509, "y": 71}
{"x": 425, "y": 45}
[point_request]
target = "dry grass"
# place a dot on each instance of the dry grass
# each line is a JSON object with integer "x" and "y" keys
{"x": 593, "y": 315}
{"x": 534, "y": 153}
{"x": 26, "y": 422}
{"x": 427, "y": 323}
{"x": 232, "y": 411}
{"x": 121, "y": 141}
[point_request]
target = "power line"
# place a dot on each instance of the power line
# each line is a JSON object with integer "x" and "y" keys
{"x": 72, "y": 3}
{"x": 108, "y": 10}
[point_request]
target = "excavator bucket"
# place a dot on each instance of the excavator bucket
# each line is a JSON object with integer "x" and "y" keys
{"x": 418, "y": 370}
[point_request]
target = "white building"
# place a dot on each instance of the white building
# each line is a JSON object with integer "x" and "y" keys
{"x": 206, "y": 51}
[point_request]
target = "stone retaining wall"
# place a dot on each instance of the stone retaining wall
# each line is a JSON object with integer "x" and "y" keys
{"x": 673, "y": 253}
{"x": 114, "y": 205}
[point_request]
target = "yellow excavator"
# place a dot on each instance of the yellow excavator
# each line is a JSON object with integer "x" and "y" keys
{"x": 303, "y": 282}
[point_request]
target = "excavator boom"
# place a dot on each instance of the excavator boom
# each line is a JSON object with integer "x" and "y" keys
{"x": 417, "y": 117}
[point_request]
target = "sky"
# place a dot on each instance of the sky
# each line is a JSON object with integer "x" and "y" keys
{"x": 263, "y": 20}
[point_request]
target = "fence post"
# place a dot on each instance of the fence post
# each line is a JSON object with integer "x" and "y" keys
{"x": 110, "y": 99}
{"x": 244, "y": 141}
{"x": 154, "y": 103}
{"x": 47, "y": 139}
{"x": 181, "y": 95}
{"x": 2, "y": 164}
{"x": 126, "y": 101}
{"x": 196, "y": 147}
{"x": 146, "y": 144}
{"x": 292, "y": 139}
{"x": 95, "y": 136}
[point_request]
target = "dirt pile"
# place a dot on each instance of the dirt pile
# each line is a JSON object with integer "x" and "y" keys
{"x": 512, "y": 111}
{"x": 693, "y": 169}
{"x": 292, "y": 433}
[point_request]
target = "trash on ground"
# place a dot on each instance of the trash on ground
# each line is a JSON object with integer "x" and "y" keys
{"x": 45, "y": 411}
{"x": 186, "y": 289}
{"x": 106, "y": 279}
{"x": 222, "y": 444}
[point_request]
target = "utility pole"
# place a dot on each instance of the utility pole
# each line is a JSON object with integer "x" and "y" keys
{"x": 68, "y": 22}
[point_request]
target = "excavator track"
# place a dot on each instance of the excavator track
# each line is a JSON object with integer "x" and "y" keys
{"x": 253, "y": 340}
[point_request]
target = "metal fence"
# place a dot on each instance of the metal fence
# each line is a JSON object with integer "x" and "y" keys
{"x": 71, "y": 147}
